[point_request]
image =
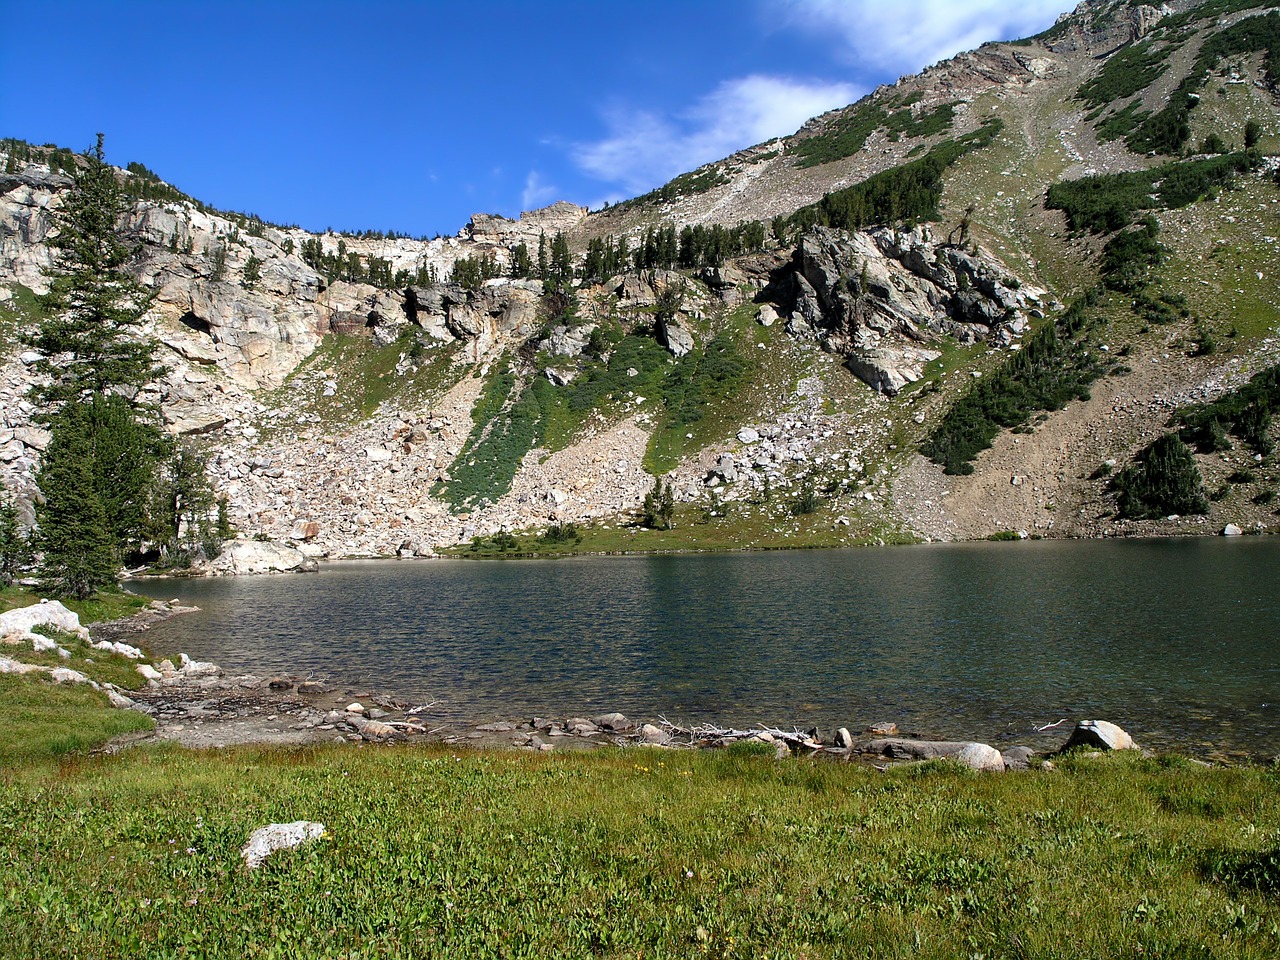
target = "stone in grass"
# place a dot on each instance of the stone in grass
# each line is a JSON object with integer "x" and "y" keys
{"x": 981, "y": 757}
{"x": 1100, "y": 735}
{"x": 1017, "y": 758}
{"x": 278, "y": 836}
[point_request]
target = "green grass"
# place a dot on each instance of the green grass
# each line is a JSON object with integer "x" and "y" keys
{"x": 104, "y": 605}
{"x": 366, "y": 372}
{"x": 633, "y": 853}
{"x": 40, "y": 720}
{"x": 21, "y": 309}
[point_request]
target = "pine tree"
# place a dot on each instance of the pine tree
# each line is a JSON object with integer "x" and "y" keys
{"x": 73, "y": 533}
{"x": 181, "y": 506}
{"x": 15, "y": 547}
{"x": 88, "y": 340}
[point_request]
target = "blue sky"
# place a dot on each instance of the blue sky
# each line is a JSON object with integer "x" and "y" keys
{"x": 390, "y": 114}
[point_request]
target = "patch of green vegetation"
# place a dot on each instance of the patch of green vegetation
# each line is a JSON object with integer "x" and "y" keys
{"x": 1169, "y": 130}
{"x": 1212, "y": 10}
{"x": 366, "y": 371}
{"x": 686, "y": 185}
{"x": 1163, "y": 480}
{"x": 843, "y": 136}
{"x": 1108, "y": 202}
{"x": 1002, "y": 536}
{"x": 906, "y": 193}
{"x": 41, "y": 720}
{"x": 1134, "y": 68}
{"x": 699, "y": 397}
{"x": 434, "y": 852}
{"x": 19, "y": 311}
{"x": 1055, "y": 366}
{"x": 99, "y": 665}
{"x": 508, "y": 420}
{"x": 1129, "y": 257}
{"x": 1246, "y": 412}
{"x": 516, "y": 414}
{"x": 926, "y": 124}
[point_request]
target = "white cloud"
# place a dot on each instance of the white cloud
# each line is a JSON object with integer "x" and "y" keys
{"x": 536, "y": 193}
{"x": 906, "y": 36}
{"x": 645, "y": 149}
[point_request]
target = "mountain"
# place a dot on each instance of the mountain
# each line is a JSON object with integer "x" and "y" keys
{"x": 968, "y": 305}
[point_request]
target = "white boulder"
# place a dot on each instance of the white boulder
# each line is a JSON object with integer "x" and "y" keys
{"x": 278, "y": 836}
{"x": 49, "y": 613}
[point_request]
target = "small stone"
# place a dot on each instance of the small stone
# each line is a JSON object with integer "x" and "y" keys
{"x": 280, "y": 683}
{"x": 356, "y": 707}
{"x": 651, "y": 734}
{"x": 614, "y": 722}
{"x": 883, "y": 728}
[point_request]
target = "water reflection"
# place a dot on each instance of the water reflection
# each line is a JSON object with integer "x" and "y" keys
{"x": 1176, "y": 640}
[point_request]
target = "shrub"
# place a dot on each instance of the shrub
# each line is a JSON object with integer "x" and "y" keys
{"x": 1163, "y": 480}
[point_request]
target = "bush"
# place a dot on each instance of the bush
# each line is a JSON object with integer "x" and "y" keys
{"x": 1163, "y": 480}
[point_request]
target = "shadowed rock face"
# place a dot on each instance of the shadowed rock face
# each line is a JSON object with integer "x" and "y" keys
{"x": 875, "y": 297}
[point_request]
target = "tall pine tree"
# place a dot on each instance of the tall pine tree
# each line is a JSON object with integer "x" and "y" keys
{"x": 99, "y": 470}
{"x": 88, "y": 341}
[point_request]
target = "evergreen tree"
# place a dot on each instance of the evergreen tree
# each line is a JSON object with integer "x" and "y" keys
{"x": 73, "y": 534}
{"x": 561, "y": 271}
{"x": 88, "y": 341}
{"x": 15, "y": 547}
{"x": 521, "y": 263}
{"x": 182, "y": 501}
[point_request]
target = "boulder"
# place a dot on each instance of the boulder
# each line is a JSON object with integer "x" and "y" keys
{"x": 651, "y": 734}
{"x": 1017, "y": 758}
{"x": 844, "y": 739}
{"x": 149, "y": 672}
{"x": 1099, "y": 735}
{"x": 305, "y": 530}
{"x": 673, "y": 335}
{"x": 980, "y": 757}
{"x": 265, "y": 841}
{"x": 767, "y": 315}
{"x": 47, "y": 613}
{"x": 614, "y": 722}
{"x": 883, "y": 728}
{"x": 243, "y": 557}
{"x": 197, "y": 668}
{"x": 1231, "y": 530}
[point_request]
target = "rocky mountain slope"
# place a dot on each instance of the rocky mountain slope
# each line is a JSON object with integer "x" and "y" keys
{"x": 781, "y": 365}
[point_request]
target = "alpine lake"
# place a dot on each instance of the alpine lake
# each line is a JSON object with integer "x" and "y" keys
{"x": 1177, "y": 641}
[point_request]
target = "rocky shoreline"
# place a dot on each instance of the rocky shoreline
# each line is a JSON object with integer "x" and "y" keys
{"x": 196, "y": 704}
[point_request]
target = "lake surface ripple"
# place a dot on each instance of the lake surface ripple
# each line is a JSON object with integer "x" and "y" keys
{"x": 1175, "y": 640}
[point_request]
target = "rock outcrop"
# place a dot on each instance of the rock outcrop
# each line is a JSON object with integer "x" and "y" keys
{"x": 878, "y": 297}
{"x": 241, "y": 557}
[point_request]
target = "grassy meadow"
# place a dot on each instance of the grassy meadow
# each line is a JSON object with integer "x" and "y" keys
{"x": 432, "y": 852}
